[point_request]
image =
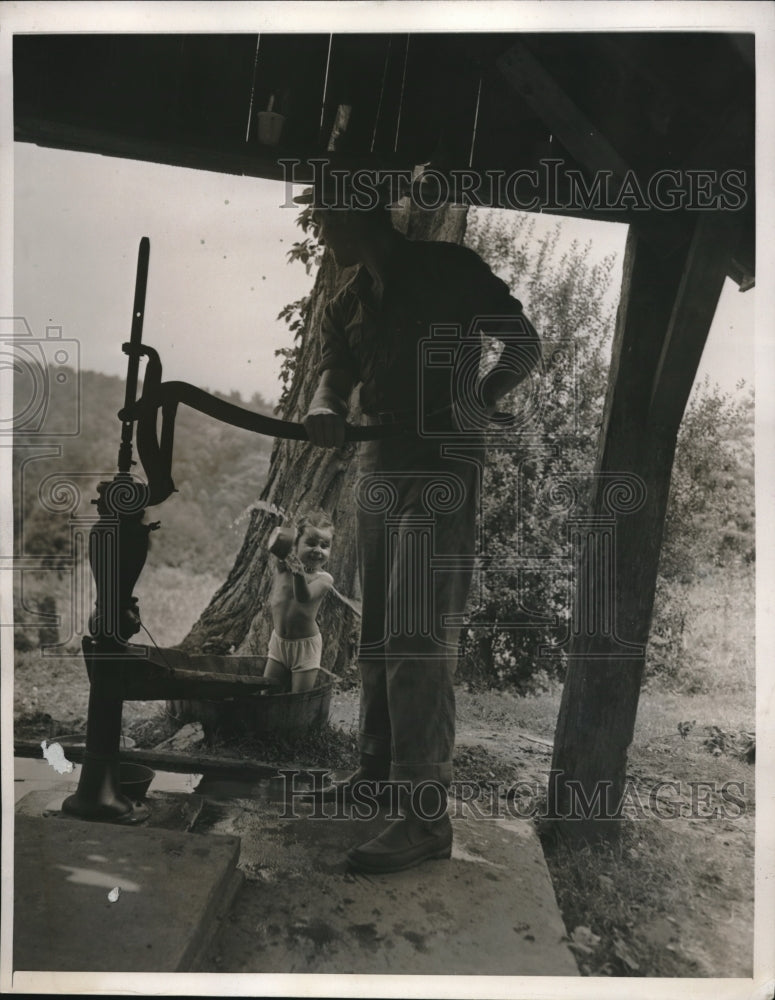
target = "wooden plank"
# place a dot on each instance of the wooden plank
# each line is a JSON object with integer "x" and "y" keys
{"x": 164, "y": 760}
{"x": 600, "y": 696}
{"x": 439, "y": 99}
{"x": 552, "y": 104}
{"x": 650, "y": 283}
{"x": 589, "y": 147}
{"x": 667, "y": 93}
{"x": 156, "y": 86}
{"x": 357, "y": 73}
{"x": 509, "y": 134}
{"x": 250, "y": 160}
{"x": 238, "y": 158}
{"x": 214, "y": 86}
{"x": 666, "y": 310}
{"x": 742, "y": 272}
{"x": 183, "y": 100}
{"x": 715, "y": 240}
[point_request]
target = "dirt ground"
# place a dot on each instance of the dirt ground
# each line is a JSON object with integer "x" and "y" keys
{"x": 673, "y": 898}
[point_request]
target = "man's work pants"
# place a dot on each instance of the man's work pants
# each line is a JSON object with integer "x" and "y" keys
{"x": 416, "y": 542}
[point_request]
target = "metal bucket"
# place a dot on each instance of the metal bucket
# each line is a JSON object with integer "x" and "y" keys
{"x": 134, "y": 780}
{"x": 281, "y": 540}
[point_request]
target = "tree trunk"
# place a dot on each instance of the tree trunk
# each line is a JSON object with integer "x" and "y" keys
{"x": 300, "y": 476}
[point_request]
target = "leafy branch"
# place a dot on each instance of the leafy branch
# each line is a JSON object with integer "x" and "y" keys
{"x": 308, "y": 252}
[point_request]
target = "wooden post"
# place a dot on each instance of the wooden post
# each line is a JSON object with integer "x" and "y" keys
{"x": 665, "y": 313}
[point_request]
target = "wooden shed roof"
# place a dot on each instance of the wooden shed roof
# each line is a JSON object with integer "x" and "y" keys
{"x": 615, "y": 102}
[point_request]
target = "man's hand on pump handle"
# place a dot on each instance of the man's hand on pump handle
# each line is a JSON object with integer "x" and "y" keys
{"x": 326, "y": 428}
{"x": 325, "y": 421}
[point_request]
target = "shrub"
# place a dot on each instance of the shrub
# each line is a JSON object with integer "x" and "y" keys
{"x": 710, "y": 518}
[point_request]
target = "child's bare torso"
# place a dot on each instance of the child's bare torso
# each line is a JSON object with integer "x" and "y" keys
{"x": 291, "y": 619}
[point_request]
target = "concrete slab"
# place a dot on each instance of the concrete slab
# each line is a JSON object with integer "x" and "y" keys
{"x": 172, "y": 888}
{"x": 490, "y": 910}
{"x": 31, "y": 775}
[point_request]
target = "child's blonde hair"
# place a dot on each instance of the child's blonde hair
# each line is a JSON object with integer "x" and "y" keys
{"x": 313, "y": 518}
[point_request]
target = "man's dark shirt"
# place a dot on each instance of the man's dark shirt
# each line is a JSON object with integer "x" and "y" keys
{"x": 433, "y": 288}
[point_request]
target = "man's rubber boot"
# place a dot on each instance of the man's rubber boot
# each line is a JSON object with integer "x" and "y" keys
{"x": 423, "y": 833}
{"x": 371, "y": 778}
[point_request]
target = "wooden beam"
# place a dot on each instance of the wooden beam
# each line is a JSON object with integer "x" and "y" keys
{"x": 742, "y": 273}
{"x": 244, "y": 158}
{"x": 251, "y": 160}
{"x": 663, "y": 317}
{"x": 710, "y": 254}
{"x": 580, "y": 136}
{"x": 650, "y": 284}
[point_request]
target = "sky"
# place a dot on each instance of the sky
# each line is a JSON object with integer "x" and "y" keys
{"x": 219, "y": 273}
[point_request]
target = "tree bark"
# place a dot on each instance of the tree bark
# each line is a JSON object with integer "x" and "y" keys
{"x": 300, "y": 475}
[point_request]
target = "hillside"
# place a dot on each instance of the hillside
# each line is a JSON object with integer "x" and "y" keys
{"x": 218, "y": 470}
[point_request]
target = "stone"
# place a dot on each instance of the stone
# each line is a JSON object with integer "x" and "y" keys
{"x": 172, "y": 887}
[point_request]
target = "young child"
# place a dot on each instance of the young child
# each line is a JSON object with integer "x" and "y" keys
{"x": 300, "y": 584}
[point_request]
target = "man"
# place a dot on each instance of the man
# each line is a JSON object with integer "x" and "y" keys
{"x": 418, "y": 491}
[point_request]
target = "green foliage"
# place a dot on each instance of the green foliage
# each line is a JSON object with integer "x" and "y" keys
{"x": 711, "y": 514}
{"x": 667, "y": 653}
{"x": 710, "y": 520}
{"x": 565, "y": 297}
{"x": 709, "y": 542}
{"x": 702, "y": 632}
{"x": 296, "y": 314}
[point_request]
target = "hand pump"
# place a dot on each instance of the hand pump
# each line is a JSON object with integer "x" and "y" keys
{"x": 118, "y": 542}
{"x": 133, "y": 350}
{"x": 118, "y": 545}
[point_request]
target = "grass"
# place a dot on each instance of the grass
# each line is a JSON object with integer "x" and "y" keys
{"x": 674, "y": 897}
{"x": 536, "y": 714}
{"x": 668, "y": 897}
{"x": 52, "y": 691}
{"x": 710, "y": 623}
{"x": 171, "y": 600}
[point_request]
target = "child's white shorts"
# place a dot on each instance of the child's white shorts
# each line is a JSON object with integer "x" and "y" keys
{"x": 297, "y": 655}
